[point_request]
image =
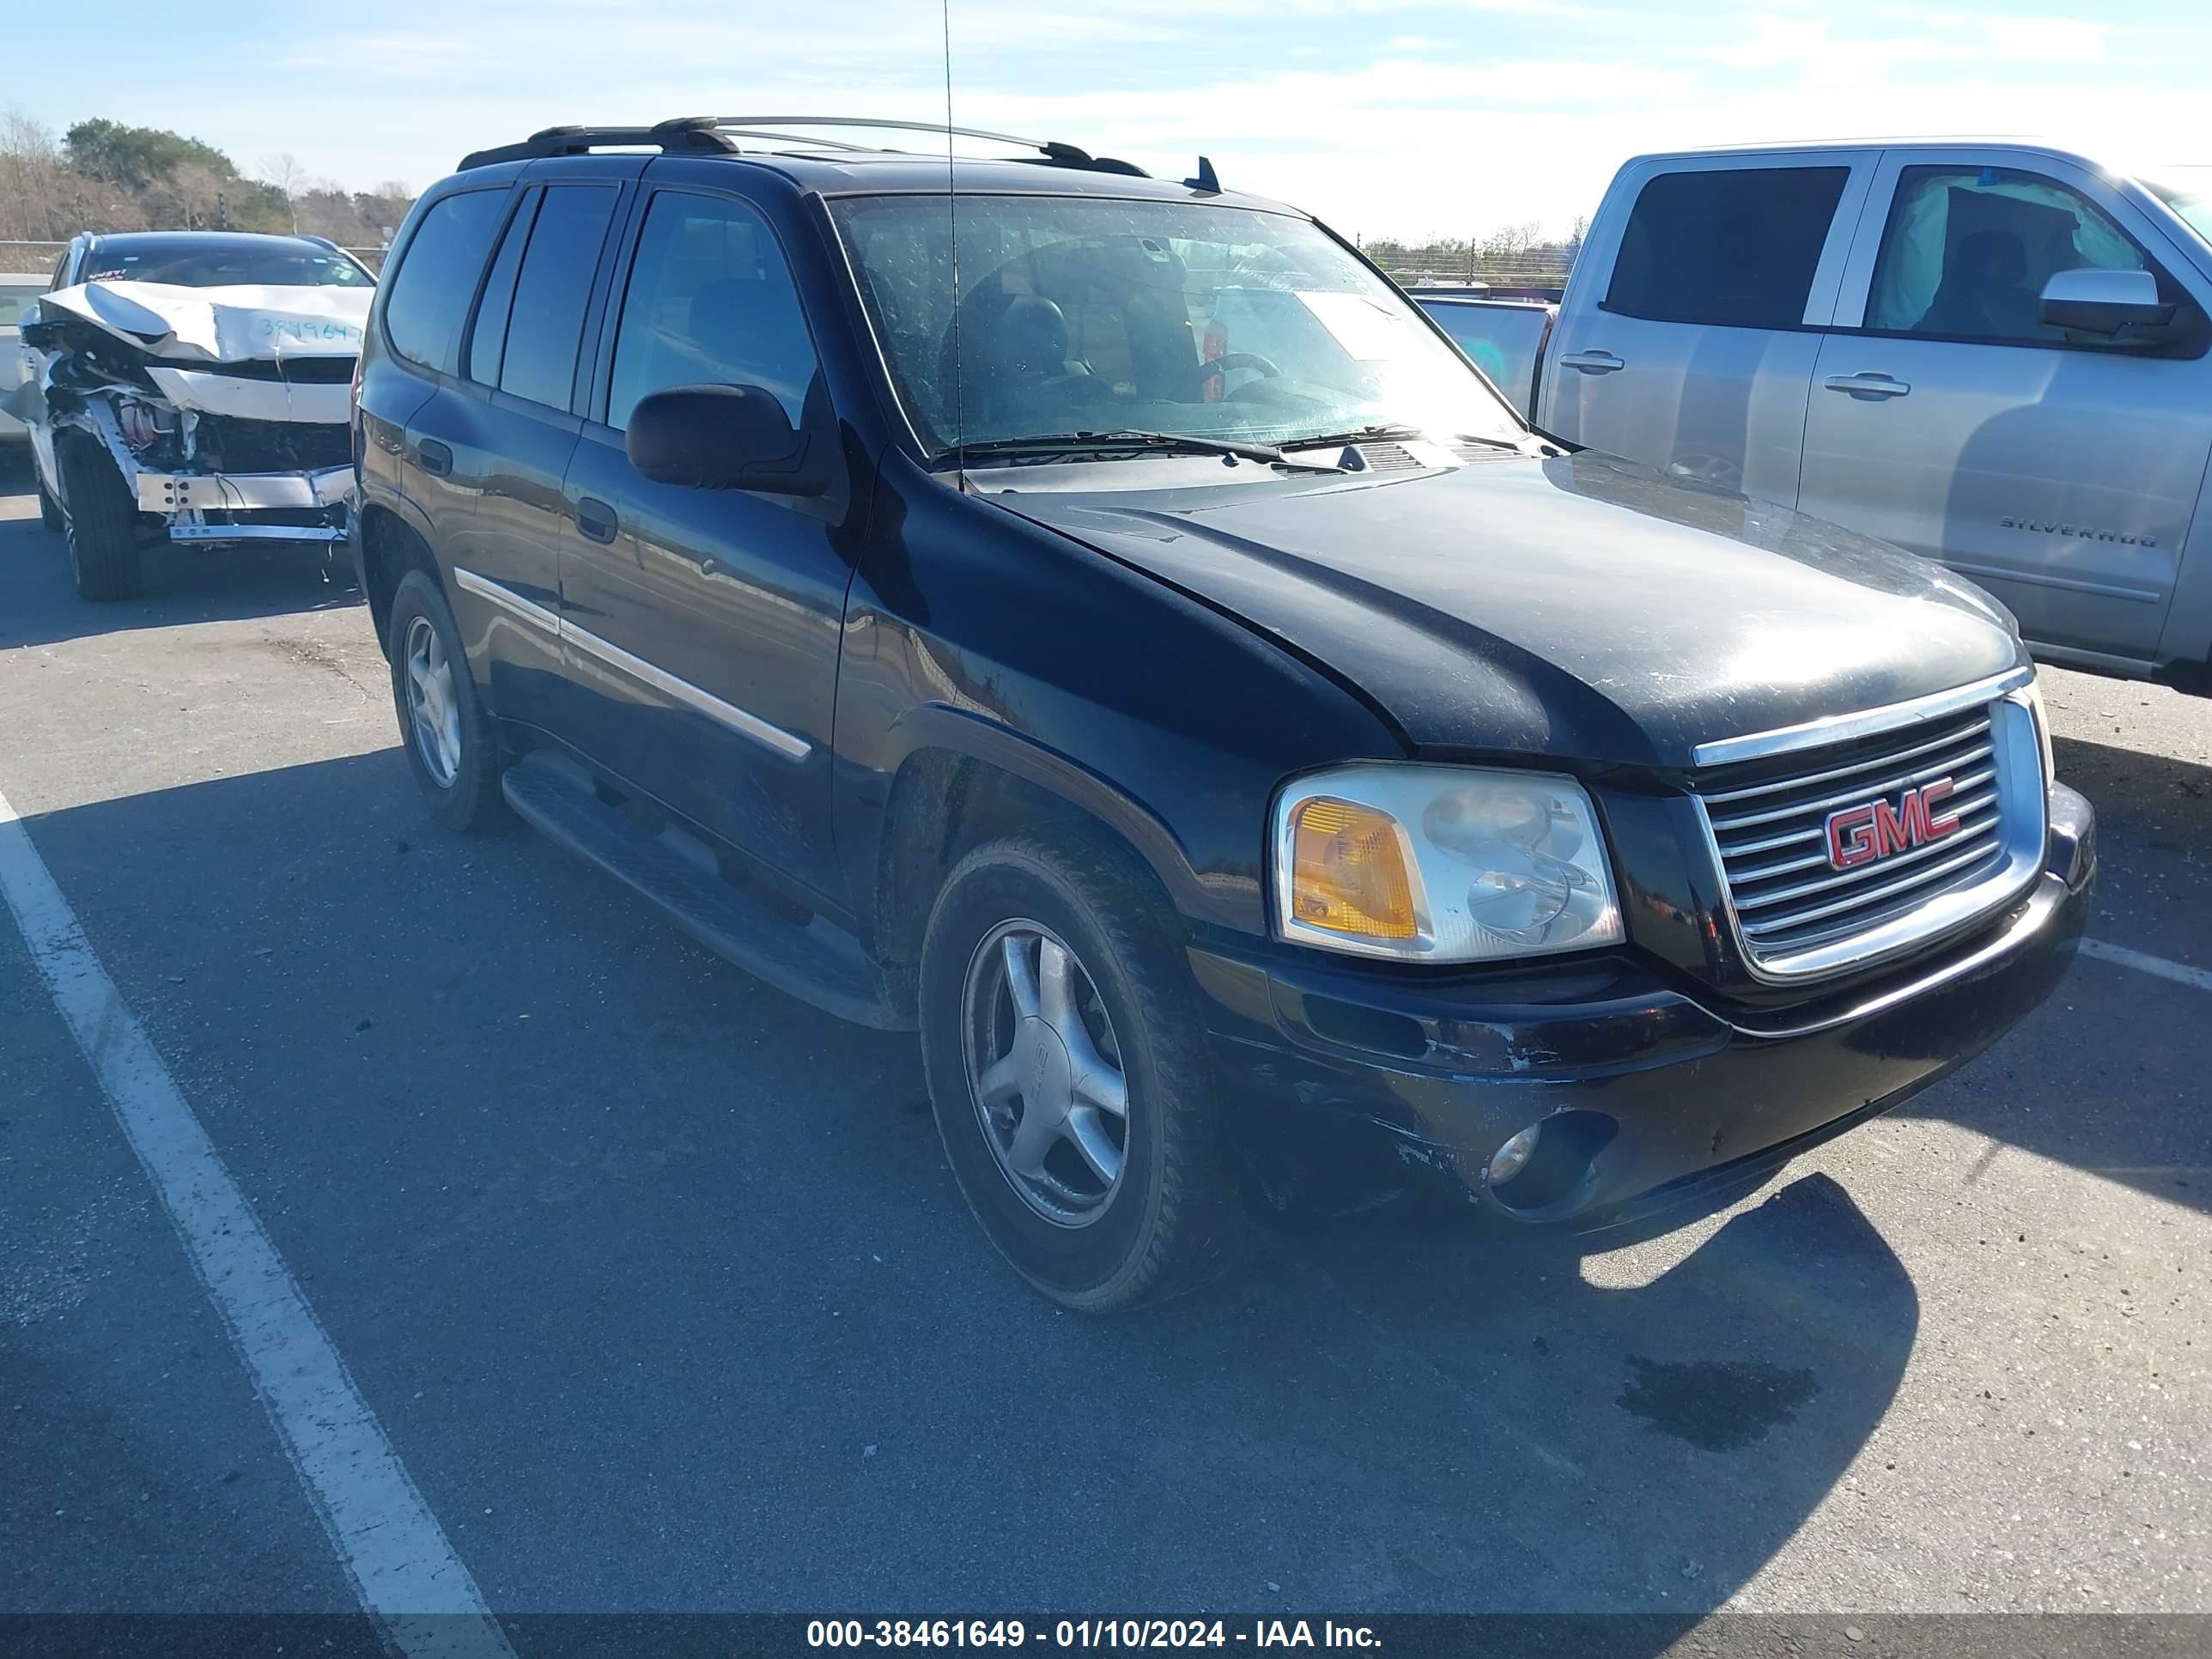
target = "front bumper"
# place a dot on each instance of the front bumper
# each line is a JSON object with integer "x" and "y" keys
{"x": 1652, "y": 1095}
{"x": 324, "y": 491}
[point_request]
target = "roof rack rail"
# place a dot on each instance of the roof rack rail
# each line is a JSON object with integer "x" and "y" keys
{"x": 694, "y": 135}
{"x": 1054, "y": 152}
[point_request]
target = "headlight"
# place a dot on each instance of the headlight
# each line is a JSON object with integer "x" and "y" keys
{"x": 2031, "y": 696}
{"x": 1441, "y": 864}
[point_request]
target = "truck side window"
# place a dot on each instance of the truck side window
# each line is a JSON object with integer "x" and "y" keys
{"x": 546, "y": 323}
{"x": 1967, "y": 251}
{"x": 488, "y": 337}
{"x": 1736, "y": 247}
{"x": 430, "y": 294}
{"x": 710, "y": 303}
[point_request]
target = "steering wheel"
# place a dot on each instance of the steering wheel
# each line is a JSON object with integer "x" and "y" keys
{"x": 1251, "y": 360}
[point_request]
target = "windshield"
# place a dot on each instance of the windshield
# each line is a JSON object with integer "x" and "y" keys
{"x": 1082, "y": 315}
{"x": 2188, "y": 191}
{"x": 223, "y": 262}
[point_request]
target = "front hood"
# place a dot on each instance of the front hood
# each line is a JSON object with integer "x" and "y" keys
{"x": 1579, "y": 607}
{"x": 222, "y": 325}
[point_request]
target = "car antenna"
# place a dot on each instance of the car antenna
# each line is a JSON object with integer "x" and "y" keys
{"x": 952, "y": 214}
{"x": 1206, "y": 181}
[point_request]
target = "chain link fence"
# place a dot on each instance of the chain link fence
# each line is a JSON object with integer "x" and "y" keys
{"x": 1539, "y": 268}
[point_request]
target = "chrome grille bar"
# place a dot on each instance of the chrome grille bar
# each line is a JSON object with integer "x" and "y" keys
{"x": 1797, "y": 915}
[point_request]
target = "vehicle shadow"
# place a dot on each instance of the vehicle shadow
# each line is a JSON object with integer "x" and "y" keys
{"x": 2163, "y": 799}
{"x": 644, "y": 1230}
{"x": 182, "y": 585}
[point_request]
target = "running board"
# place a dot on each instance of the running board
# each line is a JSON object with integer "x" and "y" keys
{"x": 817, "y": 963}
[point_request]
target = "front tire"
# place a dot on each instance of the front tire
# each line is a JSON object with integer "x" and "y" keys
{"x": 100, "y": 520}
{"x": 1067, "y": 1069}
{"x": 450, "y": 742}
{"x": 50, "y": 510}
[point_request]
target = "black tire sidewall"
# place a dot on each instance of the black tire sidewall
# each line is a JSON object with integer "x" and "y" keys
{"x": 1119, "y": 1259}
{"x": 99, "y": 521}
{"x": 473, "y": 797}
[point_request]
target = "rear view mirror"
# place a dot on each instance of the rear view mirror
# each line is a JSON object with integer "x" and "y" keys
{"x": 722, "y": 437}
{"x": 2103, "y": 303}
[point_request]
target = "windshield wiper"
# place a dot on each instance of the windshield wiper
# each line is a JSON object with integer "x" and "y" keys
{"x": 1389, "y": 434}
{"x": 1049, "y": 446}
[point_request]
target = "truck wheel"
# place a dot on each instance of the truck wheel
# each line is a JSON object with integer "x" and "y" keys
{"x": 50, "y": 510}
{"x": 1067, "y": 1064}
{"x": 448, "y": 737}
{"x": 100, "y": 520}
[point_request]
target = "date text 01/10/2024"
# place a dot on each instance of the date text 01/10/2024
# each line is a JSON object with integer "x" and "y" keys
{"x": 1085, "y": 1634}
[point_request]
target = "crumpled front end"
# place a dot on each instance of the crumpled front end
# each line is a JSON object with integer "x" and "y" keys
{"x": 225, "y": 411}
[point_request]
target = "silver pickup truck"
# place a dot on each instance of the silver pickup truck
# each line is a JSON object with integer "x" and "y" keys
{"x": 1994, "y": 354}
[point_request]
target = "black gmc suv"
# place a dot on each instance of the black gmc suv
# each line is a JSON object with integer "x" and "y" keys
{"x": 1101, "y": 623}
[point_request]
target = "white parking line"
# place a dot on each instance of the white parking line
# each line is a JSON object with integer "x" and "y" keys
{"x": 2179, "y": 972}
{"x": 391, "y": 1546}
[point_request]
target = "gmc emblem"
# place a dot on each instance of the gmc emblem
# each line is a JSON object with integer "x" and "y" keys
{"x": 1877, "y": 829}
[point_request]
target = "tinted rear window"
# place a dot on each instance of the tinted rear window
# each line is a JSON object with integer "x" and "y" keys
{"x": 426, "y": 299}
{"x": 551, "y": 292}
{"x": 1736, "y": 247}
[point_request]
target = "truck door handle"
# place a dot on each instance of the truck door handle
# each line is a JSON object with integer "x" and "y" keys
{"x": 596, "y": 520}
{"x": 435, "y": 458}
{"x": 1866, "y": 385}
{"x": 1593, "y": 362}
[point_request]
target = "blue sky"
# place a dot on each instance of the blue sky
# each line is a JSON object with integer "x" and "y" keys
{"x": 1385, "y": 117}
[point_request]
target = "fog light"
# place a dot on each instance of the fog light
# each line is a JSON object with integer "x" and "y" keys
{"x": 1513, "y": 1156}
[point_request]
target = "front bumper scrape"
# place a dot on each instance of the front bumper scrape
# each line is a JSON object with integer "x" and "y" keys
{"x": 1661, "y": 1093}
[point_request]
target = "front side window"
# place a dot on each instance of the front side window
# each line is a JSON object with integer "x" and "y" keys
{"x": 1967, "y": 251}
{"x": 1080, "y": 314}
{"x": 552, "y": 291}
{"x": 426, "y": 297}
{"x": 1733, "y": 246}
{"x": 710, "y": 302}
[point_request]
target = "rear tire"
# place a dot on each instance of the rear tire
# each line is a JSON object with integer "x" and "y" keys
{"x": 100, "y": 521}
{"x": 450, "y": 744}
{"x": 1017, "y": 917}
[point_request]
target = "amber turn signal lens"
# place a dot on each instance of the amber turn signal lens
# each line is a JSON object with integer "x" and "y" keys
{"x": 1348, "y": 870}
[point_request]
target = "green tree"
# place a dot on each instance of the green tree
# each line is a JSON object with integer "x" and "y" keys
{"x": 136, "y": 157}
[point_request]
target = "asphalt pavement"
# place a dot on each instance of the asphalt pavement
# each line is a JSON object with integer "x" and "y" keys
{"x": 655, "y": 1283}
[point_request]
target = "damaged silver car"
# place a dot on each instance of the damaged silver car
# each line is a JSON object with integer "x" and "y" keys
{"x": 191, "y": 386}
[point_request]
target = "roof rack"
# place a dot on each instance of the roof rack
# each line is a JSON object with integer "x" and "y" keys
{"x": 1053, "y": 153}
{"x": 715, "y": 135}
{"x": 693, "y": 135}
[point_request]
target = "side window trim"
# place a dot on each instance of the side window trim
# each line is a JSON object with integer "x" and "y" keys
{"x": 524, "y": 206}
{"x": 594, "y": 299}
{"x": 1865, "y": 261}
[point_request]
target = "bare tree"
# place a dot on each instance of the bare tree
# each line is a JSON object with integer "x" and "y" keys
{"x": 284, "y": 173}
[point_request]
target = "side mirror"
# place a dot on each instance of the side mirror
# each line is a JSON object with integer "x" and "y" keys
{"x": 723, "y": 437}
{"x": 2103, "y": 302}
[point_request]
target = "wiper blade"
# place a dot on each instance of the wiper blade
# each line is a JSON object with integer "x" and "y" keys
{"x": 1052, "y": 444}
{"x": 1389, "y": 434}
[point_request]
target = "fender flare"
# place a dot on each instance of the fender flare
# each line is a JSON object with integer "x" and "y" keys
{"x": 1224, "y": 901}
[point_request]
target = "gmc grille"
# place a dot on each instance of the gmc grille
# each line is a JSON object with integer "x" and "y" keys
{"x": 1797, "y": 914}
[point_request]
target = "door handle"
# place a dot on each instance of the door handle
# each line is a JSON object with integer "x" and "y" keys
{"x": 1593, "y": 362}
{"x": 596, "y": 520}
{"x": 1866, "y": 385}
{"x": 435, "y": 458}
